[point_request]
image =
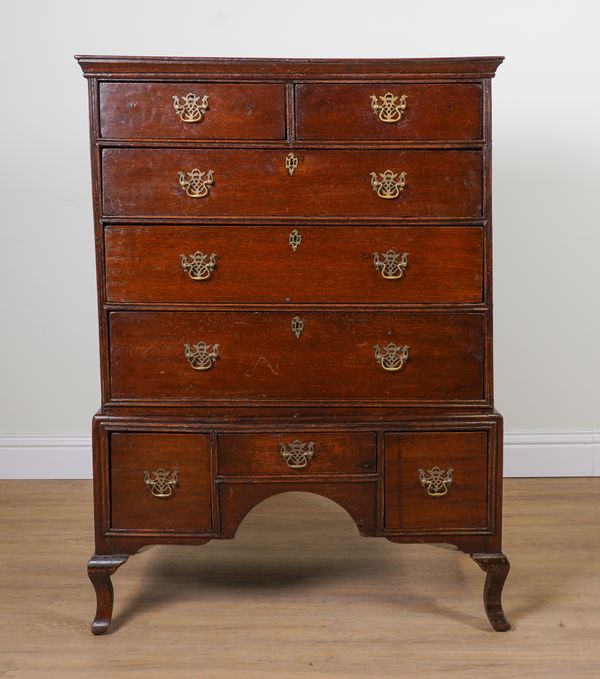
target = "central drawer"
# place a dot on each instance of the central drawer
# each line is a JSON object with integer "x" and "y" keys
{"x": 200, "y": 264}
{"x": 297, "y": 453}
{"x": 260, "y": 356}
{"x": 257, "y": 182}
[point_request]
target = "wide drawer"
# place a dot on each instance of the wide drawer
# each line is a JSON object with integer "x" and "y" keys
{"x": 200, "y": 110}
{"x": 160, "y": 481}
{"x": 255, "y": 182}
{"x": 302, "y": 452}
{"x": 436, "y": 480}
{"x": 389, "y": 112}
{"x": 170, "y": 264}
{"x": 297, "y": 357}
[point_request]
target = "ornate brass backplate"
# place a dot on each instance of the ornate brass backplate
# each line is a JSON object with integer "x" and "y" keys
{"x": 389, "y": 185}
{"x": 296, "y": 454}
{"x": 391, "y": 264}
{"x": 295, "y": 239}
{"x": 391, "y": 357}
{"x": 199, "y": 267}
{"x": 190, "y": 108}
{"x": 388, "y": 107}
{"x": 201, "y": 356}
{"x": 161, "y": 482}
{"x": 291, "y": 163}
{"x": 196, "y": 183}
{"x": 436, "y": 480}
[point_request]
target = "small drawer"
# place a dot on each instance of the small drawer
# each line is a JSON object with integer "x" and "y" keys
{"x": 294, "y": 264}
{"x": 436, "y": 480}
{"x": 304, "y": 452}
{"x": 160, "y": 481}
{"x": 195, "y": 111}
{"x": 389, "y": 112}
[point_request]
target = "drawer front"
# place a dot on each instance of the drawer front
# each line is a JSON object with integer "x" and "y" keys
{"x": 307, "y": 356}
{"x": 160, "y": 481}
{"x": 229, "y": 111}
{"x": 436, "y": 480}
{"x": 170, "y": 264}
{"x": 303, "y": 452}
{"x": 368, "y": 112}
{"x": 255, "y": 182}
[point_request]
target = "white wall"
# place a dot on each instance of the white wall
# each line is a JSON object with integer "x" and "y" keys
{"x": 546, "y": 171}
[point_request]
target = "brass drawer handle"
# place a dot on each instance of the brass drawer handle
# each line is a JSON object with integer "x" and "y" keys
{"x": 201, "y": 356}
{"x": 391, "y": 264}
{"x": 436, "y": 480}
{"x": 190, "y": 109}
{"x": 196, "y": 183}
{"x": 161, "y": 482}
{"x": 388, "y": 108}
{"x": 296, "y": 454}
{"x": 391, "y": 357}
{"x": 389, "y": 185}
{"x": 199, "y": 267}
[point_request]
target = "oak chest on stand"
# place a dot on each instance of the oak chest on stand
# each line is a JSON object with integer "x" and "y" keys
{"x": 295, "y": 294}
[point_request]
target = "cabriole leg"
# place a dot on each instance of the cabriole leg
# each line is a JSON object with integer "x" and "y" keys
{"x": 496, "y": 567}
{"x": 100, "y": 568}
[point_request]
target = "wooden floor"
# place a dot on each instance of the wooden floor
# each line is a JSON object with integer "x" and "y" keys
{"x": 316, "y": 601}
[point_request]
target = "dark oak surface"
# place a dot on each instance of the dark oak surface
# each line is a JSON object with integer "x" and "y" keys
{"x": 255, "y": 182}
{"x": 260, "y": 359}
{"x": 407, "y": 503}
{"x": 134, "y": 507}
{"x": 235, "y": 111}
{"x": 334, "y": 453}
{"x": 222, "y": 429}
{"x": 344, "y": 112}
{"x": 332, "y": 264}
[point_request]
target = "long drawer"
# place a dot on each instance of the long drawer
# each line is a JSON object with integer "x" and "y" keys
{"x": 281, "y": 264}
{"x": 258, "y": 356}
{"x": 257, "y": 182}
{"x": 388, "y": 111}
{"x": 194, "y": 111}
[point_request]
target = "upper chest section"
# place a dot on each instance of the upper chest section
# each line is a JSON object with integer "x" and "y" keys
{"x": 400, "y": 101}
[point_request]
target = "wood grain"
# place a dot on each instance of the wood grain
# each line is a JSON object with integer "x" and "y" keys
{"x": 331, "y": 264}
{"x": 256, "y": 183}
{"x": 260, "y": 359}
{"x": 407, "y": 504}
{"x": 132, "y": 504}
{"x": 433, "y": 112}
{"x": 334, "y": 453}
{"x": 235, "y": 111}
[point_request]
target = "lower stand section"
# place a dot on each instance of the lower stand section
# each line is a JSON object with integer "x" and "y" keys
{"x": 100, "y": 568}
{"x": 496, "y": 567}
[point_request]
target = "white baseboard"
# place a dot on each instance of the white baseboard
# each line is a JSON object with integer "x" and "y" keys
{"x": 552, "y": 453}
{"x": 526, "y": 453}
{"x": 45, "y": 456}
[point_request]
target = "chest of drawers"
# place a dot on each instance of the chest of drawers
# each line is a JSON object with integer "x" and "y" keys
{"x": 294, "y": 287}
